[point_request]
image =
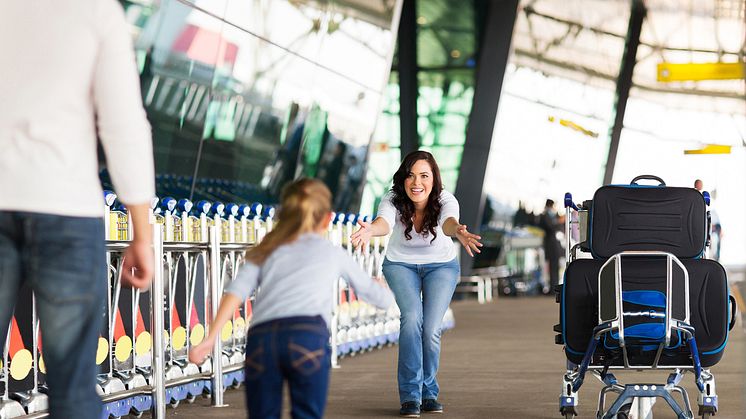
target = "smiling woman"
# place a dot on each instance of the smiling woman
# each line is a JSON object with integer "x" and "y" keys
{"x": 421, "y": 269}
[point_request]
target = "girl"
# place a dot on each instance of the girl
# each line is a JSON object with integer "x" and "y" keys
{"x": 295, "y": 269}
{"x": 421, "y": 269}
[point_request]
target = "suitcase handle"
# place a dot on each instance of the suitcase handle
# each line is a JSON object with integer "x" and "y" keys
{"x": 648, "y": 177}
{"x": 733, "y": 312}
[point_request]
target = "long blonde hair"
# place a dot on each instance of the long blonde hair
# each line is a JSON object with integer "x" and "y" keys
{"x": 304, "y": 205}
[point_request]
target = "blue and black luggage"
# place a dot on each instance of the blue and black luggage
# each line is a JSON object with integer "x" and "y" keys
{"x": 646, "y": 299}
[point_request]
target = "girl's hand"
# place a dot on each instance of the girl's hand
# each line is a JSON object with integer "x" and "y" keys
{"x": 361, "y": 238}
{"x": 468, "y": 240}
{"x": 198, "y": 354}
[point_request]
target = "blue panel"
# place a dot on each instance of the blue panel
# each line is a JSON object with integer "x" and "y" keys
{"x": 645, "y": 298}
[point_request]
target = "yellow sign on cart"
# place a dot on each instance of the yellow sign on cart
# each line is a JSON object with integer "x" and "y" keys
{"x": 668, "y": 72}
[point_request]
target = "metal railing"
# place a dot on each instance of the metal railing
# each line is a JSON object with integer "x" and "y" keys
{"x": 144, "y": 344}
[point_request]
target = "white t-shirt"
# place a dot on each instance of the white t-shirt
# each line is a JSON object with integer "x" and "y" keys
{"x": 419, "y": 250}
{"x": 67, "y": 74}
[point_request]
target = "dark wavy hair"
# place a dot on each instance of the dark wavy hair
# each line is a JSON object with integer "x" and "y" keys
{"x": 405, "y": 206}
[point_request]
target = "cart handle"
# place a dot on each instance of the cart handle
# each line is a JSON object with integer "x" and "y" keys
{"x": 648, "y": 177}
{"x": 733, "y": 312}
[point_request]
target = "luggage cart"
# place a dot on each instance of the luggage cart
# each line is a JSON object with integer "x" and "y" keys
{"x": 627, "y": 307}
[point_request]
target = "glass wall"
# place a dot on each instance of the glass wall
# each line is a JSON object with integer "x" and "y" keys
{"x": 246, "y": 95}
{"x": 552, "y": 132}
{"x": 659, "y": 146}
{"x": 550, "y": 138}
{"x": 447, "y": 49}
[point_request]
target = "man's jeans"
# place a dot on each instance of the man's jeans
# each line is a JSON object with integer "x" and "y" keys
{"x": 293, "y": 349}
{"x": 423, "y": 293}
{"x": 63, "y": 260}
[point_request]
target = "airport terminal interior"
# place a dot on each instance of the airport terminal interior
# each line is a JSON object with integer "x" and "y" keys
{"x": 597, "y": 147}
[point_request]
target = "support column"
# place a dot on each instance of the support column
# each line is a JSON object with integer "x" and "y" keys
{"x": 408, "y": 86}
{"x": 493, "y": 59}
{"x": 623, "y": 84}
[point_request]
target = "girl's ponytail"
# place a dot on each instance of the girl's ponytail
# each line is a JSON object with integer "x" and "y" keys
{"x": 304, "y": 205}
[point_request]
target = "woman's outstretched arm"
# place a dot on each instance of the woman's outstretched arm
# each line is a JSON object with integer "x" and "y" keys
{"x": 452, "y": 228}
{"x": 361, "y": 238}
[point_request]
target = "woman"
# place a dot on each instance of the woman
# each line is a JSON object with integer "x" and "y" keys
{"x": 421, "y": 269}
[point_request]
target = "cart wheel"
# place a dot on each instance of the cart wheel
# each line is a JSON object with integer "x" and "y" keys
{"x": 568, "y": 413}
{"x": 174, "y": 404}
{"x": 236, "y": 385}
{"x": 137, "y": 415}
{"x": 191, "y": 399}
{"x": 707, "y": 415}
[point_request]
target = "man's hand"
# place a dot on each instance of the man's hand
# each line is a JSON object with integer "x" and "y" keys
{"x": 137, "y": 267}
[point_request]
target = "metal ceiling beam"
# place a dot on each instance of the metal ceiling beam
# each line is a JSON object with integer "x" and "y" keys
{"x": 408, "y": 85}
{"x": 624, "y": 83}
{"x": 361, "y": 10}
{"x": 529, "y": 11}
{"x": 494, "y": 51}
{"x": 592, "y": 72}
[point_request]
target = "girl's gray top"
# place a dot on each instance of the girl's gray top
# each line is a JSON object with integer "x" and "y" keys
{"x": 297, "y": 280}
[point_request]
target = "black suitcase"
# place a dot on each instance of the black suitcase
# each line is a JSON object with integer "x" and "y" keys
{"x": 709, "y": 305}
{"x": 638, "y": 217}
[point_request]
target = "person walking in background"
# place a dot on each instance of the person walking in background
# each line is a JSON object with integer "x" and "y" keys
{"x": 716, "y": 229}
{"x": 421, "y": 269}
{"x": 68, "y": 75}
{"x": 550, "y": 223}
{"x": 289, "y": 338}
{"x": 698, "y": 185}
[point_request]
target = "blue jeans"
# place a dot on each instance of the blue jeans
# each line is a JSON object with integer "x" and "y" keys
{"x": 423, "y": 293}
{"x": 63, "y": 260}
{"x": 295, "y": 349}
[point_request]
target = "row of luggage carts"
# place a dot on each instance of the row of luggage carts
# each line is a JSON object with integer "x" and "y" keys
{"x": 143, "y": 347}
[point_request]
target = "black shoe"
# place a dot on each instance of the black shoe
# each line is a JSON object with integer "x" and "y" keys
{"x": 410, "y": 410}
{"x": 431, "y": 406}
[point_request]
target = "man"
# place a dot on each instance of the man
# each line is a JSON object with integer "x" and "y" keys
{"x": 549, "y": 222}
{"x": 68, "y": 75}
{"x": 698, "y": 185}
{"x": 716, "y": 230}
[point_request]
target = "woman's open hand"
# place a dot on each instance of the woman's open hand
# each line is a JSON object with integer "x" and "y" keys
{"x": 468, "y": 240}
{"x": 361, "y": 238}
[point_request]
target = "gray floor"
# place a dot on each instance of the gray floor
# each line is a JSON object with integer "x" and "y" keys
{"x": 499, "y": 362}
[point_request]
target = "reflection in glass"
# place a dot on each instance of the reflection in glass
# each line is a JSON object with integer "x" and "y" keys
{"x": 242, "y": 102}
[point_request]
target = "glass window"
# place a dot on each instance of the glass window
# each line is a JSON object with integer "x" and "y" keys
{"x": 245, "y": 96}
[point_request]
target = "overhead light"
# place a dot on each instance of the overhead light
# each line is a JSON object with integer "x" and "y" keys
{"x": 669, "y": 72}
{"x": 455, "y": 53}
{"x": 572, "y": 125}
{"x": 421, "y": 20}
{"x": 711, "y": 149}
